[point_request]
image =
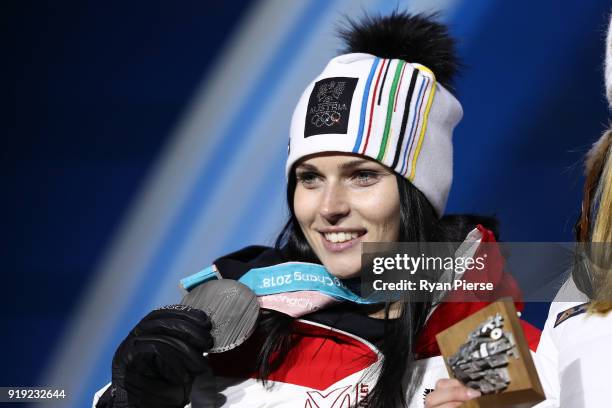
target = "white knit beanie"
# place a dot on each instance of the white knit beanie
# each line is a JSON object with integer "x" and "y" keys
{"x": 389, "y": 110}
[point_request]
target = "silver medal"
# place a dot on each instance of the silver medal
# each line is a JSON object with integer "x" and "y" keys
{"x": 232, "y": 308}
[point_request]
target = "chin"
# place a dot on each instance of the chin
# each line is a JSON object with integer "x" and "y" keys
{"x": 344, "y": 271}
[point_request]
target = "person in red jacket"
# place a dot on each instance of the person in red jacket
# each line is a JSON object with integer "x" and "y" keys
{"x": 370, "y": 160}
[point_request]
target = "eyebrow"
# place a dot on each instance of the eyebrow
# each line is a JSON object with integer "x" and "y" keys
{"x": 344, "y": 166}
{"x": 352, "y": 164}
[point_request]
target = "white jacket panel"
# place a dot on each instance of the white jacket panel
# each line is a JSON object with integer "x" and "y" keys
{"x": 577, "y": 354}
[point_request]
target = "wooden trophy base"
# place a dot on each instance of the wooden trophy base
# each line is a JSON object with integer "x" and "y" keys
{"x": 524, "y": 389}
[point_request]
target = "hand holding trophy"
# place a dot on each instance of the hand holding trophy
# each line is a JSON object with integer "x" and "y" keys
{"x": 488, "y": 352}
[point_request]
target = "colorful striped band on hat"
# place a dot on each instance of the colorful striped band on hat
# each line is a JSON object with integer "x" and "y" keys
{"x": 389, "y": 110}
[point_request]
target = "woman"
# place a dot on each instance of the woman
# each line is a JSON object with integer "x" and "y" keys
{"x": 370, "y": 160}
{"x": 575, "y": 347}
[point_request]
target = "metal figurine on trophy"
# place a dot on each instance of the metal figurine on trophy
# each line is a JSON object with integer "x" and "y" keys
{"x": 488, "y": 352}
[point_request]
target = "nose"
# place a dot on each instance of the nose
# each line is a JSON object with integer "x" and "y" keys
{"x": 334, "y": 204}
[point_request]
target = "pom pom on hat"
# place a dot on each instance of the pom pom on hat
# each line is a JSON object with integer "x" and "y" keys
{"x": 414, "y": 38}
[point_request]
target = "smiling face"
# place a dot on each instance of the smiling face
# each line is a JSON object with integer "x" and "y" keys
{"x": 341, "y": 200}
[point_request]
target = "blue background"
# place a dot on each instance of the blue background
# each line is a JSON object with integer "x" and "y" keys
{"x": 96, "y": 93}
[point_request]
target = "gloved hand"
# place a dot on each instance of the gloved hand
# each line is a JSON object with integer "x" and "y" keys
{"x": 154, "y": 367}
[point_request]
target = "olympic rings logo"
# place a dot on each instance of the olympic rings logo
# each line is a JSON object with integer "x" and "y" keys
{"x": 325, "y": 118}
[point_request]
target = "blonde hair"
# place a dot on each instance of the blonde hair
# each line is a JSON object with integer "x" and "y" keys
{"x": 595, "y": 226}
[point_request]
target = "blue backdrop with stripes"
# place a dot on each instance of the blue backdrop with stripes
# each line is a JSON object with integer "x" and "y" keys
{"x": 143, "y": 139}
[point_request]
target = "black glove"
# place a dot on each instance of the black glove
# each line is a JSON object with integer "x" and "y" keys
{"x": 154, "y": 367}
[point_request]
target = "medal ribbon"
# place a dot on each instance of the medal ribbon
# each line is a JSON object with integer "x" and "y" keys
{"x": 293, "y": 288}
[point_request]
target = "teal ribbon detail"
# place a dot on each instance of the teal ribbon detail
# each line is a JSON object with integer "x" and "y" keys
{"x": 286, "y": 277}
{"x": 194, "y": 280}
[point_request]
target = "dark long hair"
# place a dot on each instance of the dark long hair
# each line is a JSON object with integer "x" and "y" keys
{"x": 418, "y": 223}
